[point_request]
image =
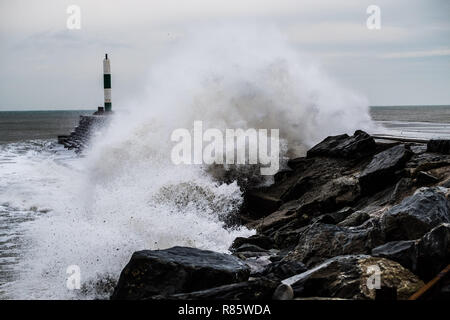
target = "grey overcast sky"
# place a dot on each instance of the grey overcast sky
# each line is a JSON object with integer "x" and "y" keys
{"x": 44, "y": 65}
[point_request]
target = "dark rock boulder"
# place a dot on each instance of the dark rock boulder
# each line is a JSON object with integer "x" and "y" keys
{"x": 382, "y": 170}
{"x": 276, "y": 219}
{"x": 176, "y": 270}
{"x": 343, "y": 146}
{"x": 318, "y": 242}
{"x": 424, "y": 179}
{"x": 347, "y": 277}
{"x": 403, "y": 252}
{"x": 439, "y": 146}
{"x": 318, "y": 185}
{"x": 249, "y": 248}
{"x": 333, "y": 195}
{"x": 427, "y": 162}
{"x": 355, "y": 219}
{"x": 433, "y": 252}
{"x": 416, "y": 215}
{"x": 259, "y": 240}
{"x": 283, "y": 269}
{"x": 261, "y": 203}
{"x": 255, "y": 289}
{"x": 425, "y": 257}
{"x": 404, "y": 187}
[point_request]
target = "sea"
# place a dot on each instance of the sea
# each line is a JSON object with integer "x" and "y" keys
{"x": 59, "y": 209}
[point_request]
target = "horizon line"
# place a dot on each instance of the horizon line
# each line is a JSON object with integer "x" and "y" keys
{"x": 94, "y": 109}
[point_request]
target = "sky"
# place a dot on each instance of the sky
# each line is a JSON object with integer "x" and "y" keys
{"x": 46, "y": 66}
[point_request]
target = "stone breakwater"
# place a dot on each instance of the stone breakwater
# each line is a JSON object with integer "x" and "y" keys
{"x": 87, "y": 127}
{"x": 354, "y": 219}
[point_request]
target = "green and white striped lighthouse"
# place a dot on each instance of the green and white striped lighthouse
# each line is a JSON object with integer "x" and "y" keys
{"x": 107, "y": 83}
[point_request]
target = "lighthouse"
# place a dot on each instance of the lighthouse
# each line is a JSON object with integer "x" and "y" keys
{"x": 107, "y": 83}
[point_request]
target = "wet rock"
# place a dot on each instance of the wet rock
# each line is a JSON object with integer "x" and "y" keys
{"x": 347, "y": 277}
{"x": 403, "y": 188}
{"x": 425, "y": 257}
{"x": 331, "y": 196}
{"x": 318, "y": 242}
{"x": 283, "y": 269}
{"x": 382, "y": 170}
{"x": 256, "y": 261}
{"x": 261, "y": 204}
{"x": 359, "y": 145}
{"x": 419, "y": 148}
{"x": 259, "y": 240}
{"x": 81, "y": 135}
{"x": 439, "y": 146}
{"x": 341, "y": 214}
{"x": 255, "y": 289}
{"x": 424, "y": 179}
{"x": 355, "y": 219}
{"x": 427, "y": 161}
{"x": 275, "y": 219}
{"x": 403, "y": 252}
{"x": 318, "y": 185}
{"x": 433, "y": 252}
{"x": 249, "y": 248}
{"x": 416, "y": 215}
{"x": 282, "y": 174}
{"x": 283, "y": 292}
{"x": 175, "y": 270}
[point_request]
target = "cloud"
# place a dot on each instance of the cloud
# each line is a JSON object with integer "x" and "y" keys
{"x": 36, "y": 44}
{"x": 417, "y": 54}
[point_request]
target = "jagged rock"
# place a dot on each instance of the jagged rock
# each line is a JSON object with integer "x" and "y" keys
{"x": 176, "y": 270}
{"x": 381, "y": 171}
{"x": 256, "y": 261}
{"x": 318, "y": 185}
{"x": 439, "y": 146}
{"x": 355, "y": 219}
{"x": 245, "y": 255}
{"x": 249, "y": 248}
{"x": 424, "y": 178}
{"x": 425, "y": 257}
{"x": 347, "y": 277}
{"x": 427, "y": 161}
{"x": 402, "y": 188}
{"x": 79, "y": 138}
{"x": 318, "y": 242}
{"x": 418, "y": 148}
{"x": 283, "y": 269}
{"x": 334, "y": 217}
{"x": 261, "y": 204}
{"x": 341, "y": 214}
{"x": 259, "y": 240}
{"x": 403, "y": 252}
{"x": 416, "y": 215}
{"x": 356, "y": 146}
{"x": 282, "y": 174}
{"x": 433, "y": 252}
{"x": 255, "y": 289}
{"x": 283, "y": 292}
{"x": 275, "y": 219}
{"x": 333, "y": 195}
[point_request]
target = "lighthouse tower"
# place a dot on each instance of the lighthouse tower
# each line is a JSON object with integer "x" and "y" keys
{"x": 107, "y": 83}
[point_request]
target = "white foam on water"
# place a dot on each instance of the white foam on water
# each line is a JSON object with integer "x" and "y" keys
{"x": 126, "y": 195}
